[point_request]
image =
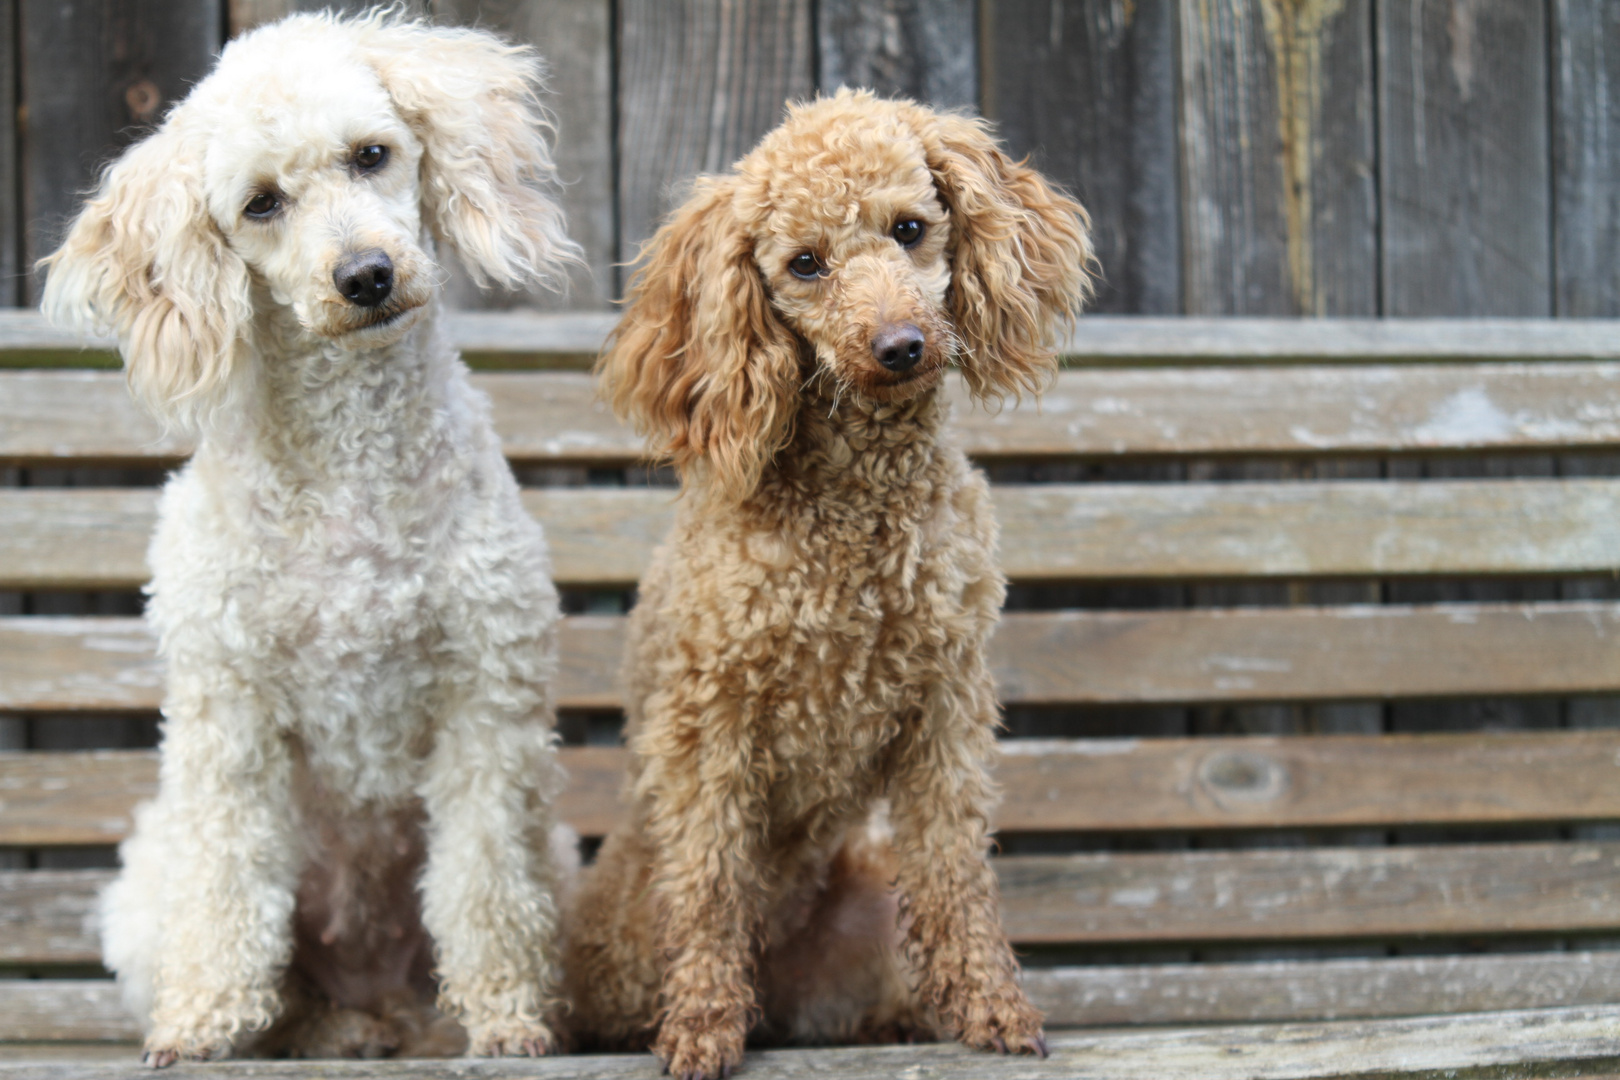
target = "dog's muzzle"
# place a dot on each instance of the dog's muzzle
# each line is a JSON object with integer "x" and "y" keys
{"x": 366, "y": 278}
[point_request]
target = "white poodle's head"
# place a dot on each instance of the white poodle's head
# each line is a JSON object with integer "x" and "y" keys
{"x": 309, "y": 171}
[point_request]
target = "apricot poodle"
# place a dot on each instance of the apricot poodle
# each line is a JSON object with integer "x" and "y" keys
{"x": 811, "y": 714}
{"x": 356, "y": 614}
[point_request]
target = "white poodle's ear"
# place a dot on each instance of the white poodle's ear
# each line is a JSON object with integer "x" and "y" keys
{"x": 145, "y": 261}
{"x": 472, "y": 100}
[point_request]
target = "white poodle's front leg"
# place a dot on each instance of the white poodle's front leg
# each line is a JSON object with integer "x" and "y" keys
{"x": 488, "y": 891}
{"x": 230, "y": 875}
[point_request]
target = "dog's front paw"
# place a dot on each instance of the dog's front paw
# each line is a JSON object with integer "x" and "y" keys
{"x": 162, "y": 1050}
{"x": 510, "y": 1038}
{"x": 700, "y": 1047}
{"x": 1005, "y": 1023}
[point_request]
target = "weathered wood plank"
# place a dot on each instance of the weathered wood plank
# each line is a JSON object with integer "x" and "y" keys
{"x": 1561, "y": 1042}
{"x": 108, "y": 664}
{"x": 1279, "y": 196}
{"x": 920, "y": 49}
{"x": 574, "y": 38}
{"x": 94, "y": 77}
{"x": 89, "y": 1010}
{"x": 1586, "y": 157}
{"x": 700, "y": 81}
{"x": 1086, "y": 88}
{"x": 527, "y": 339}
{"x": 1133, "y": 994}
{"x": 51, "y": 417}
{"x": 93, "y": 538}
{"x": 10, "y": 220}
{"x": 1463, "y": 158}
{"x": 1537, "y": 1043}
{"x": 1082, "y": 785}
{"x": 1300, "y": 894}
{"x": 1311, "y": 893}
{"x": 1072, "y": 657}
{"x": 57, "y": 799}
{"x": 1307, "y": 654}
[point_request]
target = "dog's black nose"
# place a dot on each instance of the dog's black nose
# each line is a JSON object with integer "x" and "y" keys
{"x": 898, "y": 346}
{"x": 365, "y": 278}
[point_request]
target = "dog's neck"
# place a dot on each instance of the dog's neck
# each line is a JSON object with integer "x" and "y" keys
{"x": 851, "y": 446}
{"x": 317, "y": 413}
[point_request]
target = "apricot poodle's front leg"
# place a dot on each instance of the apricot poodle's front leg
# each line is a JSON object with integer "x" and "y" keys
{"x": 705, "y": 830}
{"x": 940, "y": 800}
{"x": 488, "y": 889}
{"x": 230, "y": 840}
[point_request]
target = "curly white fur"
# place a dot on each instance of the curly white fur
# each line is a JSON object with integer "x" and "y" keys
{"x": 356, "y": 613}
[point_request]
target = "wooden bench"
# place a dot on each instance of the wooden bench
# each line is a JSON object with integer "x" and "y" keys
{"x": 1171, "y": 880}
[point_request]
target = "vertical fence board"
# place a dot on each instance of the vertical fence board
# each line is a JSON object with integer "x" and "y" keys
{"x": 10, "y": 235}
{"x": 1586, "y": 157}
{"x": 1086, "y": 88}
{"x": 922, "y": 49}
{"x": 574, "y": 37}
{"x": 95, "y": 76}
{"x": 699, "y": 82}
{"x": 1463, "y": 157}
{"x": 1277, "y": 114}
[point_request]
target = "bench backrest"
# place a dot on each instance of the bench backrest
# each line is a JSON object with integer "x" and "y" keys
{"x": 1205, "y": 850}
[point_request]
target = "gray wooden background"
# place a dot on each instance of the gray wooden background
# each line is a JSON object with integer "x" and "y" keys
{"x": 1239, "y": 157}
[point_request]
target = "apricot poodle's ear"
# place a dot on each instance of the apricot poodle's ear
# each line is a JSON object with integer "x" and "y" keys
{"x": 473, "y": 101}
{"x": 1021, "y": 259}
{"x": 145, "y": 261}
{"x": 700, "y": 363}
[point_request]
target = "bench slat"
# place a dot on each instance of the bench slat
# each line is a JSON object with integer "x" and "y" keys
{"x": 1104, "y": 785}
{"x": 51, "y": 417}
{"x": 1300, "y": 894}
{"x": 1539, "y": 1042}
{"x": 1311, "y": 893}
{"x": 94, "y": 538}
{"x": 1069, "y": 657}
{"x": 520, "y": 336}
{"x": 90, "y": 1010}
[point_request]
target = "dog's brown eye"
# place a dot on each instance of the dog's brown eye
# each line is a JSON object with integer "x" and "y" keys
{"x": 906, "y": 233}
{"x": 370, "y": 158}
{"x": 805, "y": 265}
{"x": 262, "y": 205}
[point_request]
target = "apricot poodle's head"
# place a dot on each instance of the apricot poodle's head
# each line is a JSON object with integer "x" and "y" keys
{"x": 312, "y": 171}
{"x": 863, "y": 247}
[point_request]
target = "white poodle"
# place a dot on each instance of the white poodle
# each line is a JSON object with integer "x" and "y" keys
{"x": 356, "y": 614}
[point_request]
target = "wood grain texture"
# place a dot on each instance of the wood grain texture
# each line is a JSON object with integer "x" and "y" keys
{"x": 1301, "y": 894}
{"x": 1352, "y": 653}
{"x": 1307, "y": 654}
{"x": 87, "y": 538}
{"x": 1586, "y": 157}
{"x": 1533, "y": 1043}
{"x": 553, "y": 417}
{"x": 1129, "y": 995}
{"x": 94, "y": 76}
{"x": 574, "y": 37}
{"x": 1311, "y": 893}
{"x": 553, "y": 340}
{"x": 920, "y": 49}
{"x": 1463, "y": 157}
{"x": 11, "y": 277}
{"x": 89, "y": 1010}
{"x": 87, "y": 797}
{"x": 699, "y": 82}
{"x": 1277, "y": 175}
{"x": 1086, "y": 89}
{"x": 1079, "y": 785}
